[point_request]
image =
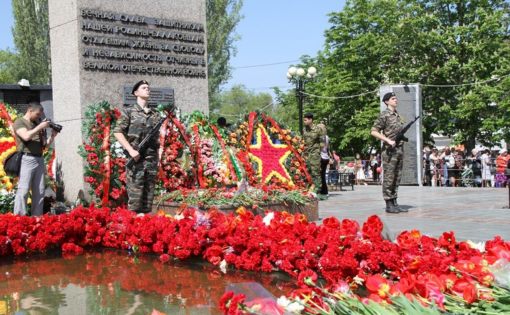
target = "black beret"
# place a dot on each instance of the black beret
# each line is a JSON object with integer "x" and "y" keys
{"x": 137, "y": 85}
{"x": 308, "y": 115}
{"x": 387, "y": 96}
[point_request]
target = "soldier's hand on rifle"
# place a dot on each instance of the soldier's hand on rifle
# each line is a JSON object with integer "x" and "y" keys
{"x": 391, "y": 143}
{"x": 135, "y": 155}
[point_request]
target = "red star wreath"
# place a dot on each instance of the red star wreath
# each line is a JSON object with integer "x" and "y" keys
{"x": 270, "y": 157}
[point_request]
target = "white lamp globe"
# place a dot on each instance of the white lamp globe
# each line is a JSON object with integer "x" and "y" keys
{"x": 292, "y": 71}
{"x": 300, "y": 72}
{"x": 289, "y": 76}
{"x": 312, "y": 71}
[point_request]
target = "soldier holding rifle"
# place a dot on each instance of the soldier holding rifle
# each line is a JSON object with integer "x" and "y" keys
{"x": 133, "y": 127}
{"x": 389, "y": 128}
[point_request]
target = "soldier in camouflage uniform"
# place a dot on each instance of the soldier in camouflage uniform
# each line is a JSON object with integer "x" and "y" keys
{"x": 315, "y": 138}
{"x": 385, "y": 128}
{"x": 134, "y": 124}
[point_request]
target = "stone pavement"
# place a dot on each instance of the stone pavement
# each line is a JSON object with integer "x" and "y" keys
{"x": 475, "y": 214}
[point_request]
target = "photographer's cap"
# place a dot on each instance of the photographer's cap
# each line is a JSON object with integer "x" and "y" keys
{"x": 137, "y": 85}
{"x": 387, "y": 96}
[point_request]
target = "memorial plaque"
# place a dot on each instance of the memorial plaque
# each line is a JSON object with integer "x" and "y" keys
{"x": 409, "y": 106}
{"x": 158, "y": 96}
{"x": 99, "y": 48}
{"x": 127, "y": 43}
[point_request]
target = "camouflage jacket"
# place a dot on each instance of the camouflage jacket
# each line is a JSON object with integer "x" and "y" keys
{"x": 388, "y": 123}
{"x": 314, "y": 136}
{"x": 135, "y": 124}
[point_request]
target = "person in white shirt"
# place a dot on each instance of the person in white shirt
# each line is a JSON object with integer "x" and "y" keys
{"x": 486, "y": 168}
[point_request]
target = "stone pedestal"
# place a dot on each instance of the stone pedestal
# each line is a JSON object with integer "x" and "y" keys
{"x": 310, "y": 210}
{"x": 409, "y": 107}
{"x": 99, "y": 47}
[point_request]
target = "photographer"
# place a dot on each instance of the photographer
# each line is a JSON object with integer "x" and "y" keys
{"x": 31, "y": 140}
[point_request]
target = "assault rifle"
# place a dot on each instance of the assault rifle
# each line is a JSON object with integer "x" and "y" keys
{"x": 401, "y": 134}
{"x": 144, "y": 144}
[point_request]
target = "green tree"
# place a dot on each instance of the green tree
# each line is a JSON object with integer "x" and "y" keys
{"x": 235, "y": 103}
{"x": 379, "y": 42}
{"x": 286, "y": 109}
{"x": 7, "y": 60}
{"x": 222, "y": 19}
{"x": 31, "y": 38}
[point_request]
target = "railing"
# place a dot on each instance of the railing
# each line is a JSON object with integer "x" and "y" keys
{"x": 465, "y": 176}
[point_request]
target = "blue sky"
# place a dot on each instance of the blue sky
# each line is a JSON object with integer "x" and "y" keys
{"x": 6, "y": 22}
{"x": 271, "y": 31}
{"x": 274, "y": 31}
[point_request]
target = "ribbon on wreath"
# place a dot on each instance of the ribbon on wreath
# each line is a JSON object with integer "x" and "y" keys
{"x": 162, "y": 140}
{"x": 201, "y": 181}
{"x": 105, "y": 147}
{"x": 225, "y": 152}
{"x": 50, "y": 172}
{"x": 187, "y": 140}
{"x": 249, "y": 136}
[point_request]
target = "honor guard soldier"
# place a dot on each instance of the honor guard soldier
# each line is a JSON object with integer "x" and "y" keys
{"x": 134, "y": 124}
{"x": 386, "y": 128}
{"x": 314, "y": 137}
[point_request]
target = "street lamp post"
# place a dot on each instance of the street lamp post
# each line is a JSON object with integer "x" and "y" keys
{"x": 299, "y": 77}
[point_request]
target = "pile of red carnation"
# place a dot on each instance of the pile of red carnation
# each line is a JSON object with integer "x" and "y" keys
{"x": 338, "y": 251}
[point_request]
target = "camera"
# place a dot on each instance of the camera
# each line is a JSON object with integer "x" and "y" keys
{"x": 54, "y": 126}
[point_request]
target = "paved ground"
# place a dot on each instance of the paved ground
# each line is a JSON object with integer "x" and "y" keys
{"x": 476, "y": 214}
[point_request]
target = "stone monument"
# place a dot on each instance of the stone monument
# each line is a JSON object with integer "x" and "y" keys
{"x": 100, "y": 48}
{"x": 409, "y": 107}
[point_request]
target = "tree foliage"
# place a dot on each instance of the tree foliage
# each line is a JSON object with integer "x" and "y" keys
{"x": 236, "y": 102}
{"x": 7, "y": 61}
{"x": 371, "y": 43}
{"x": 31, "y": 38}
{"x": 222, "y": 19}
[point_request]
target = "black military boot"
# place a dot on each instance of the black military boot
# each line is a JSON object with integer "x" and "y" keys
{"x": 395, "y": 204}
{"x": 390, "y": 208}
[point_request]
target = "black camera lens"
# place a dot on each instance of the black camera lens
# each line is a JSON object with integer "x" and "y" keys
{"x": 55, "y": 126}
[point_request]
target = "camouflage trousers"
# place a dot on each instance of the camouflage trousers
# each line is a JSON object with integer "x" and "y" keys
{"x": 314, "y": 169}
{"x": 393, "y": 159}
{"x": 140, "y": 182}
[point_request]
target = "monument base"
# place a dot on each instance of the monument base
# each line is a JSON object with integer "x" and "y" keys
{"x": 310, "y": 209}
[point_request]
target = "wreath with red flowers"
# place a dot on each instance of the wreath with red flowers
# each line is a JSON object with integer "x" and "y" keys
{"x": 216, "y": 163}
{"x": 105, "y": 169}
{"x": 194, "y": 154}
{"x": 175, "y": 169}
{"x": 270, "y": 154}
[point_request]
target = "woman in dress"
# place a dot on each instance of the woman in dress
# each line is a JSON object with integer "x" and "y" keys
{"x": 486, "y": 168}
{"x": 360, "y": 170}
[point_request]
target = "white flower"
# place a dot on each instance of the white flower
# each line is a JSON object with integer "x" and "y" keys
{"x": 480, "y": 246}
{"x": 501, "y": 271}
{"x": 178, "y": 216}
{"x": 358, "y": 280}
{"x": 283, "y": 301}
{"x": 268, "y": 218}
{"x": 223, "y": 266}
{"x": 295, "y": 307}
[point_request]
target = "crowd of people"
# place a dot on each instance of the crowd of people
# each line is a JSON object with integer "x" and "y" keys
{"x": 451, "y": 167}
{"x": 447, "y": 167}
